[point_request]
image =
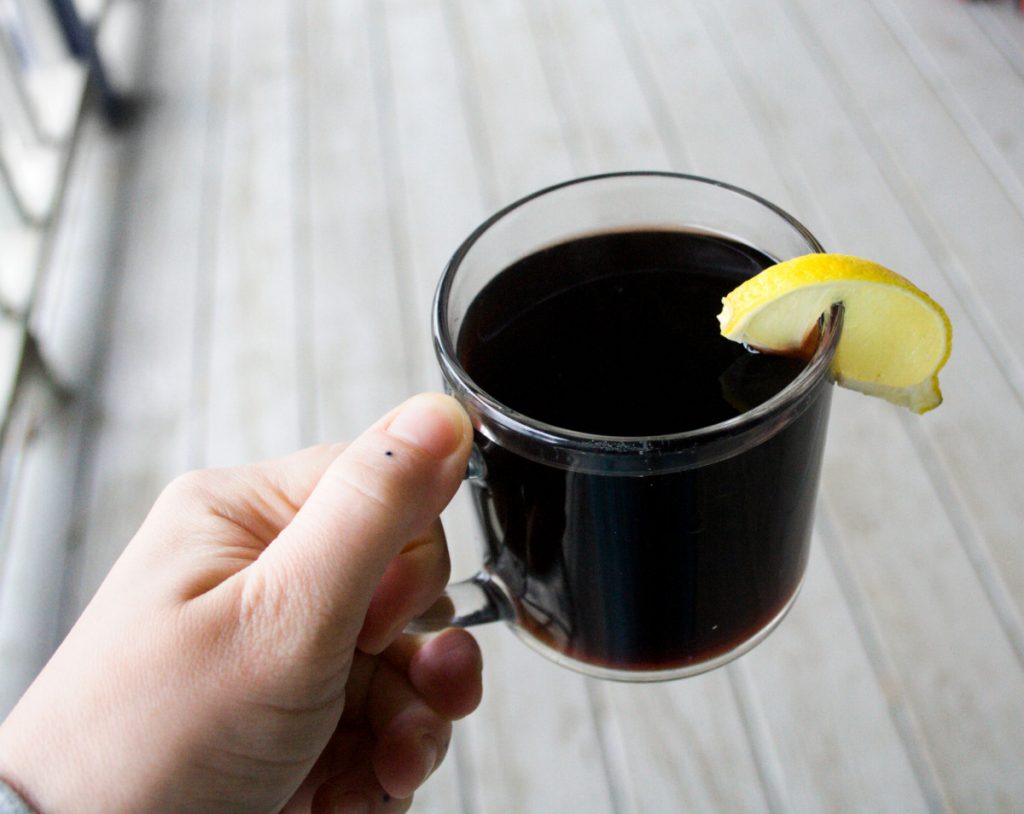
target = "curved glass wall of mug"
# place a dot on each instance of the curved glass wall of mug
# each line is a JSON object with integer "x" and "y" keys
{"x": 638, "y": 555}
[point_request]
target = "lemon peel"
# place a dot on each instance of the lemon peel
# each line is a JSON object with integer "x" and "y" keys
{"x": 895, "y": 337}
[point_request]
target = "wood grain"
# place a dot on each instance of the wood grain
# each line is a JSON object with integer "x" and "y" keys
{"x": 251, "y": 268}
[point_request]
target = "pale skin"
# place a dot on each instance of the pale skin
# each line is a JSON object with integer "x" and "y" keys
{"x": 246, "y": 654}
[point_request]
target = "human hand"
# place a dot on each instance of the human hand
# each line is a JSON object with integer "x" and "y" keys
{"x": 245, "y": 653}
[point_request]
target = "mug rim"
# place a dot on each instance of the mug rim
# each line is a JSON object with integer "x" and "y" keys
{"x": 511, "y": 420}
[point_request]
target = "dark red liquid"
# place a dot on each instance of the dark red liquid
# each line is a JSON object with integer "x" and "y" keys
{"x": 616, "y": 334}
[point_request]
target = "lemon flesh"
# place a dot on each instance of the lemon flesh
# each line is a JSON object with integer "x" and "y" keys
{"x": 895, "y": 337}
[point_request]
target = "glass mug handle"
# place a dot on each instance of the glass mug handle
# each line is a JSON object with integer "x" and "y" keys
{"x": 473, "y": 601}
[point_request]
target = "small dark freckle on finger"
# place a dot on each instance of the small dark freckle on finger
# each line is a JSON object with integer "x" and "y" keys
{"x": 387, "y": 797}
{"x": 389, "y": 453}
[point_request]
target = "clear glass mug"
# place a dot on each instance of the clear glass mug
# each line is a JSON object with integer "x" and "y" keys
{"x": 673, "y": 554}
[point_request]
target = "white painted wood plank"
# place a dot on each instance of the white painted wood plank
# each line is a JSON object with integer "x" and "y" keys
{"x": 801, "y": 736}
{"x": 776, "y": 104}
{"x": 616, "y": 129}
{"x": 971, "y": 78}
{"x": 1003, "y": 23}
{"x": 643, "y": 730}
{"x": 360, "y": 331}
{"x": 524, "y": 131}
{"x": 968, "y": 216}
{"x": 821, "y": 707}
{"x": 976, "y": 434}
{"x": 252, "y": 386}
{"x": 884, "y": 230}
{"x": 689, "y": 76}
{"x": 950, "y": 684}
{"x": 360, "y": 338}
{"x": 37, "y": 522}
{"x": 881, "y": 224}
{"x": 119, "y": 321}
{"x": 594, "y": 84}
{"x": 954, "y": 663}
{"x": 683, "y": 747}
{"x": 431, "y": 185}
{"x": 43, "y": 518}
{"x": 845, "y": 194}
{"x": 532, "y": 746}
{"x": 437, "y": 198}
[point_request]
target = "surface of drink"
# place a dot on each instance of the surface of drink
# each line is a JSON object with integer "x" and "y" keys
{"x": 615, "y": 335}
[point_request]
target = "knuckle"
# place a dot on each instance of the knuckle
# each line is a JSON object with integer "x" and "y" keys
{"x": 193, "y": 486}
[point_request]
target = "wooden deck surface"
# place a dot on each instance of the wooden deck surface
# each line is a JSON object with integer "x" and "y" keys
{"x": 249, "y": 269}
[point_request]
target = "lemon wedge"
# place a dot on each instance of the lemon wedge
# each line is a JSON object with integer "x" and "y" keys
{"x": 895, "y": 337}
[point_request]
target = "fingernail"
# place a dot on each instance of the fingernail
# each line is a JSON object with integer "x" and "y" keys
{"x": 352, "y": 803}
{"x": 434, "y": 423}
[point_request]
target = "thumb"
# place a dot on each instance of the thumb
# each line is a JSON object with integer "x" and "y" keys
{"x": 383, "y": 490}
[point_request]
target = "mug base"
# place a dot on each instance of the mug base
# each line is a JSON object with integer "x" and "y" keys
{"x": 651, "y": 676}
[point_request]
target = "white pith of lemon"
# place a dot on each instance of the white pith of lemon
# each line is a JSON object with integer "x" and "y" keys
{"x": 895, "y": 338}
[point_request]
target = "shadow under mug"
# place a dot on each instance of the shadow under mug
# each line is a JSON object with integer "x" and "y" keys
{"x": 636, "y": 559}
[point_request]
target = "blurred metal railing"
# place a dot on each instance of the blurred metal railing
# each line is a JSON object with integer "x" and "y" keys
{"x": 49, "y": 66}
